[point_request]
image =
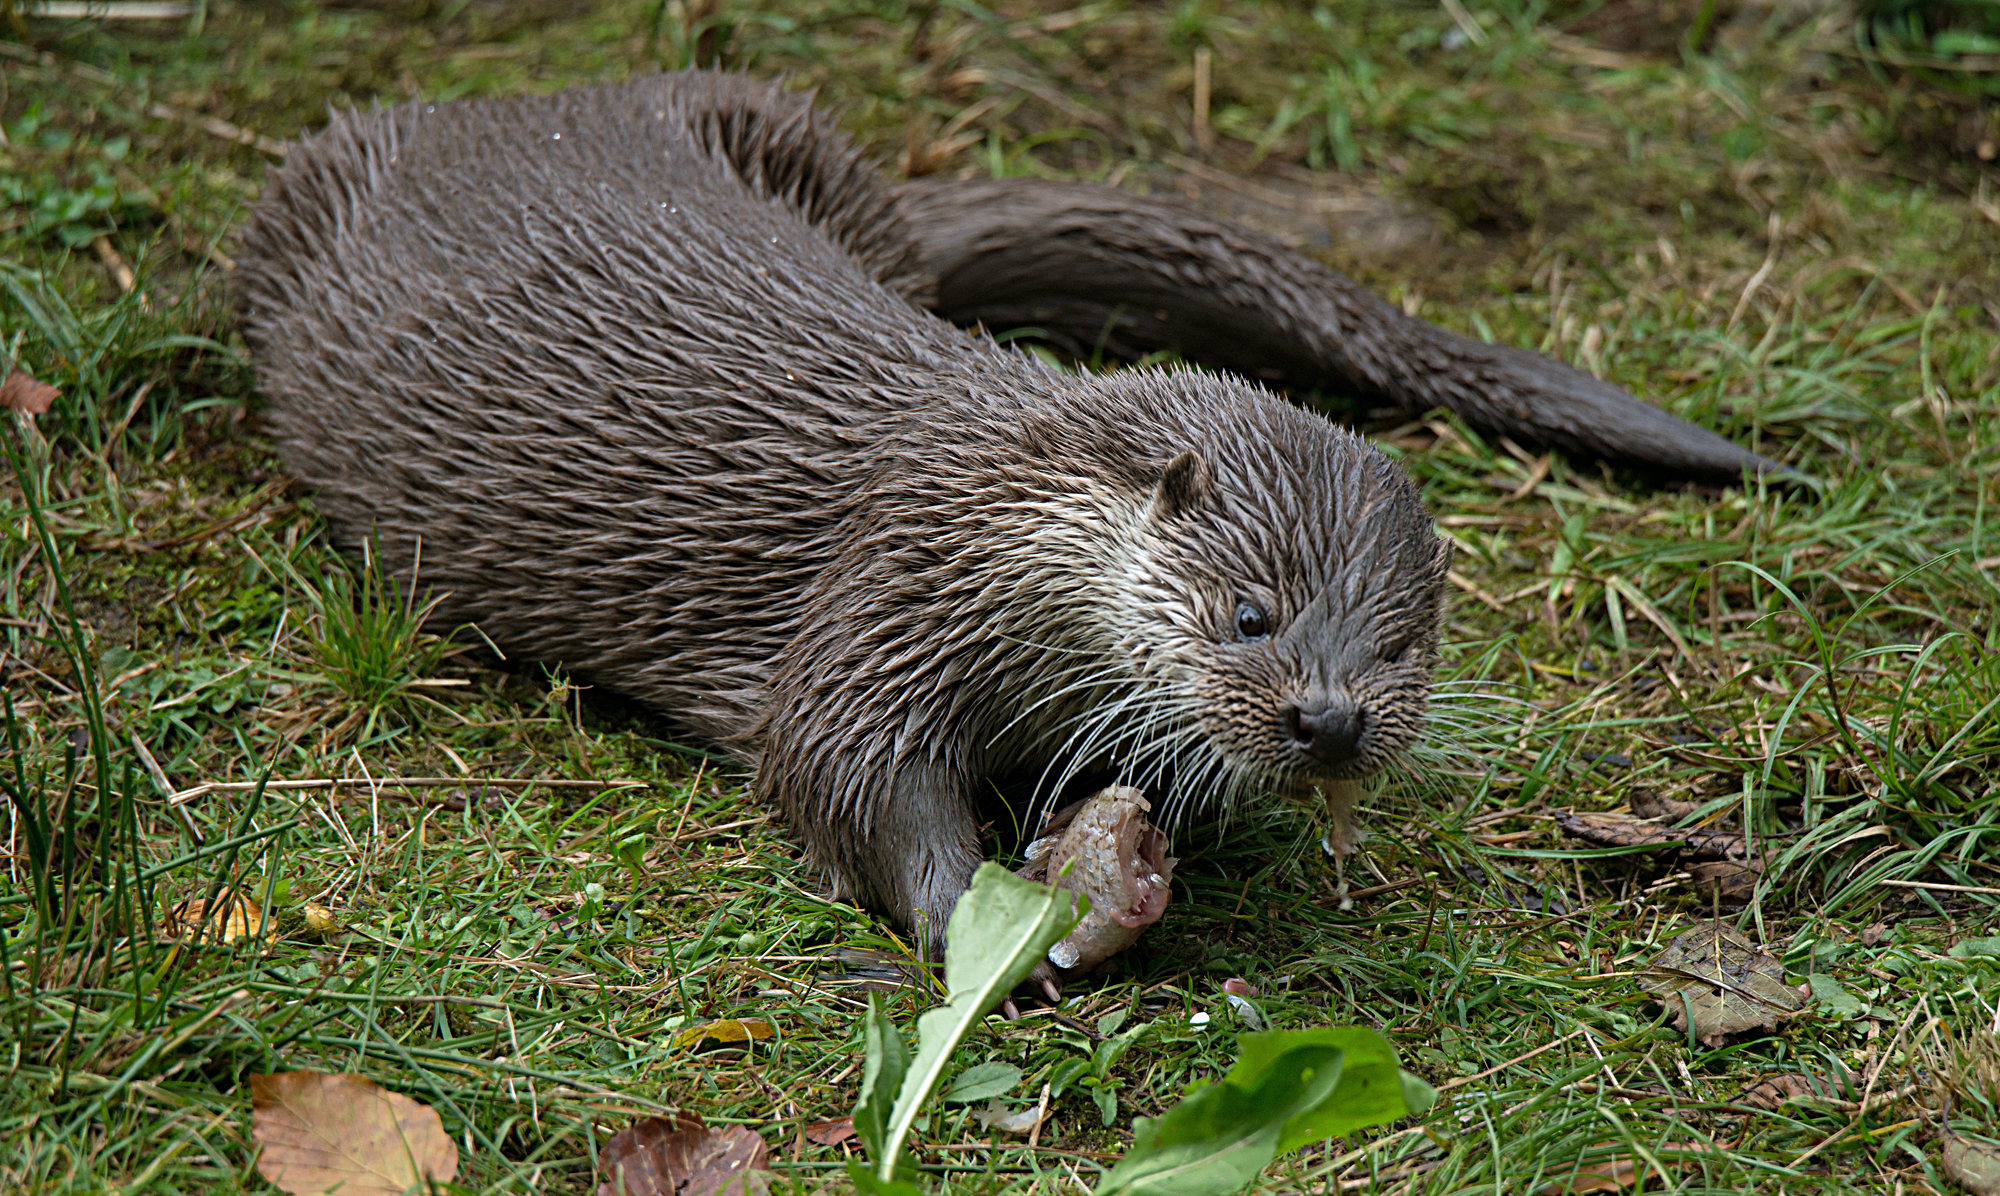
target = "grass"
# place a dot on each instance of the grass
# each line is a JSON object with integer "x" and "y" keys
{"x": 1755, "y": 215}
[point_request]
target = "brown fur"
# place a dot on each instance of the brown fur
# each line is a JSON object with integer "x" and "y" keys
{"x": 653, "y": 397}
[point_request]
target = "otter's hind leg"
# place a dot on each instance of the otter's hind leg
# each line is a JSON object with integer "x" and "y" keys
{"x": 1101, "y": 270}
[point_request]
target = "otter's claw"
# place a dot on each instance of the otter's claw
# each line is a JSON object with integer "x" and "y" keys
{"x": 1044, "y": 982}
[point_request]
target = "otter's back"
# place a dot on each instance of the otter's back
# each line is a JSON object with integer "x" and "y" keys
{"x": 623, "y": 351}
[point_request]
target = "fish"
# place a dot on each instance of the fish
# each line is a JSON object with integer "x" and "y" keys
{"x": 1105, "y": 849}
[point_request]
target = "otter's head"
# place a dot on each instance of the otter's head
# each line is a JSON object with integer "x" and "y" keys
{"x": 1296, "y": 585}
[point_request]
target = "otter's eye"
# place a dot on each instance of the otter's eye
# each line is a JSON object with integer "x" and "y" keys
{"x": 1251, "y": 622}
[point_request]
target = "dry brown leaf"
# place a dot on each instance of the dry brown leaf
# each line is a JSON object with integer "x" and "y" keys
{"x": 324, "y": 1133}
{"x": 665, "y": 1156}
{"x": 21, "y": 392}
{"x": 1721, "y": 981}
{"x": 640, "y": 1160}
{"x": 1614, "y": 1174}
{"x": 830, "y": 1132}
{"x": 1774, "y": 1091}
{"x": 1648, "y": 804}
{"x": 1974, "y": 1164}
{"x": 1623, "y": 830}
{"x": 1731, "y": 881}
{"x": 234, "y": 918}
{"x": 1607, "y": 1176}
{"x": 736, "y": 1162}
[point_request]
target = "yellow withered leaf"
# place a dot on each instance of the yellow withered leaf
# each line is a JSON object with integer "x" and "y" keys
{"x": 725, "y": 1032}
{"x": 241, "y": 916}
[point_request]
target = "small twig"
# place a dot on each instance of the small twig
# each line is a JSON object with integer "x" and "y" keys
{"x": 131, "y": 409}
{"x": 1472, "y": 587}
{"x": 1982, "y": 890}
{"x": 1378, "y": 890}
{"x": 1593, "y": 1088}
{"x": 165, "y": 787}
{"x": 1204, "y": 70}
{"x": 110, "y": 10}
{"x": 1856, "y": 1107}
{"x": 408, "y": 782}
{"x": 1863, "y": 1105}
{"x": 1773, "y": 232}
{"x": 213, "y": 126}
{"x": 1467, "y": 25}
{"x": 1547, "y": 1046}
{"x": 1353, "y": 1156}
{"x": 107, "y": 254}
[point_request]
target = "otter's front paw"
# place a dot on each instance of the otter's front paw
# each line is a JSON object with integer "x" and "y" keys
{"x": 1044, "y": 983}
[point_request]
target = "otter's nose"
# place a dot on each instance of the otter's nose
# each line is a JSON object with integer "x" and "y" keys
{"x": 1330, "y": 734}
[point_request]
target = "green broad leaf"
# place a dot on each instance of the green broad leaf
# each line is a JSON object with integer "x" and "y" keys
{"x": 982, "y": 1083}
{"x": 1001, "y": 929}
{"x": 1372, "y": 1089}
{"x": 1066, "y": 1072}
{"x": 868, "y": 1183}
{"x": 885, "y": 1059}
{"x": 1107, "y": 1103}
{"x": 1418, "y": 1095}
{"x": 1220, "y": 1138}
{"x": 1974, "y": 947}
{"x": 1831, "y": 997}
{"x": 1111, "y": 1050}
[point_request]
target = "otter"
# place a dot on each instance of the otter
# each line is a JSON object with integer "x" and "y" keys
{"x": 642, "y": 374}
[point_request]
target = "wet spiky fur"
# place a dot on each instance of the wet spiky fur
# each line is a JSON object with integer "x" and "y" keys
{"x": 639, "y": 369}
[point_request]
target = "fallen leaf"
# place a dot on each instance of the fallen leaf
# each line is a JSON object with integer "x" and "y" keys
{"x": 1623, "y": 830}
{"x": 1972, "y": 1163}
{"x": 997, "y": 1116}
{"x": 1607, "y": 1176}
{"x": 234, "y": 918}
{"x": 1721, "y": 981}
{"x": 323, "y": 1133}
{"x": 1774, "y": 1091}
{"x": 1730, "y": 881}
{"x": 648, "y": 1156}
{"x": 1614, "y": 1174}
{"x": 1245, "y": 1011}
{"x": 20, "y": 392}
{"x": 725, "y": 1032}
{"x": 1648, "y": 804}
{"x": 665, "y": 1156}
{"x": 830, "y": 1132}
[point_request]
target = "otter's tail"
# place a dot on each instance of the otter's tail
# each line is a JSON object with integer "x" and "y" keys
{"x": 1097, "y": 269}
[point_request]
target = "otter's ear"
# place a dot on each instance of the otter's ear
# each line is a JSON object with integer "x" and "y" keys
{"x": 1184, "y": 487}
